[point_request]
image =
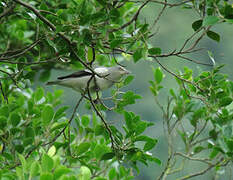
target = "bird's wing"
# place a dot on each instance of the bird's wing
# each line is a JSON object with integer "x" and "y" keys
{"x": 76, "y": 75}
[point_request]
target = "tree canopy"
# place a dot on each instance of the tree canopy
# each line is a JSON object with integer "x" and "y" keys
{"x": 40, "y": 140}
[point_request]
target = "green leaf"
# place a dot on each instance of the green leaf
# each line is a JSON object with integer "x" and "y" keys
{"x": 213, "y": 35}
{"x": 19, "y": 173}
{"x": 196, "y": 25}
{"x": 225, "y": 101}
{"x": 4, "y": 111}
{"x": 46, "y": 176}
{"x": 154, "y": 51}
{"x": 60, "y": 112}
{"x": 58, "y": 125}
{"x": 128, "y": 120}
{"x": 114, "y": 14}
{"x": 210, "y": 20}
{"x": 198, "y": 149}
{"x": 137, "y": 55}
{"x": 229, "y": 143}
{"x": 19, "y": 148}
{"x": 112, "y": 174}
{"x": 214, "y": 153}
{"x": 108, "y": 156}
{"x": 158, "y": 75}
{"x": 142, "y": 138}
{"x": 89, "y": 54}
{"x": 15, "y": 118}
{"x": 87, "y": 37}
{"x": 52, "y": 151}
{"x": 61, "y": 170}
{"x": 3, "y": 122}
{"x": 85, "y": 120}
{"x": 85, "y": 173}
{"x": 44, "y": 76}
{"x": 128, "y": 80}
{"x": 47, "y": 163}
{"x": 114, "y": 43}
{"x": 156, "y": 160}
{"x": 39, "y": 94}
{"x": 82, "y": 148}
{"x": 152, "y": 159}
{"x": 29, "y": 132}
{"x": 47, "y": 114}
{"x": 100, "y": 150}
{"x": 34, "y": 170}
{"x": 140, "y": 127}
{"x": 23, "y": 161}
{"x": 150, "y": 144}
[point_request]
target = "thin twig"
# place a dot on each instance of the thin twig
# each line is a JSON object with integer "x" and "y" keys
{"x": 178, "y": 77}
{"x": 53, "y": 28}
{"x": 68, "y": 123}
{"x": 3, "y": 94}
{"x": 98, "y": 113}
{"x": 194, "y": 61}
{"x": 206, "y": 161}
{"x": 160, "y": 14}
{"x": 201, "y": 172}
{"x": 132, "y": 20}
{"x": 23, "y": 51}
{"x": 165, "y": 3}
{"x": 12, "y": 77}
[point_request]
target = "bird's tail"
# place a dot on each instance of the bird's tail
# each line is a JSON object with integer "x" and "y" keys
{"x": 52, "y": 82}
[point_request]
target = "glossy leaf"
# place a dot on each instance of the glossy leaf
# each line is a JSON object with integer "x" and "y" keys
{"x": 82, "y": 148}
{"x": 213, "y": 35}
{"x": 154, "y": 51}
{"x": 47, "y": 114}
{"x": 196, "y": 25}
{"x": 210, "y": 20}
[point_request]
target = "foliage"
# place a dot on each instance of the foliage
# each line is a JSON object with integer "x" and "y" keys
{"x": 39, "y": 141}
{"x": 206, "y": 105}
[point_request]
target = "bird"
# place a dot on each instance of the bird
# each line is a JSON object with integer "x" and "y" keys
{"x": 100, "y": 79}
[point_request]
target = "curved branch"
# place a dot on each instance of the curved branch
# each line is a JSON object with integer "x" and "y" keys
{"x": 21, "y": 51}
{"x": 132, "y": 20}
{"x": 203, "y": 171}
{"x": 53, "y": 28}
{"x": 69, "y": 122}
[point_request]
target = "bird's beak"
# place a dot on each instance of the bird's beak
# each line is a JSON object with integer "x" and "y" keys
{"x": 127, "y": 72}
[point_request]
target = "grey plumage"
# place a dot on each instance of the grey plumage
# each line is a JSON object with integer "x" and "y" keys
{"x": 104, "y": 78}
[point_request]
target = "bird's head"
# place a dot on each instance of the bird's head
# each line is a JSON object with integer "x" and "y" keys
{"x": 116, "y": 72}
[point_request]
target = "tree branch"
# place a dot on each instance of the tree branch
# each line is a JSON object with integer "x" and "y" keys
{"x": 21, "y": 51}
{"x": 132, "y": 20}
{"x": 68, "y": 124}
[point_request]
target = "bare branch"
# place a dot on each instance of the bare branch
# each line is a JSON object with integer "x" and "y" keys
{"x": 68, "y": 123}
{"x": 3, "y": 94}
{"x": 203, "y": 171}
{"x": 160, "y": 14}
{"x": 21, "y": 51}
{"x": 12, "y": 77}
{"x": 206, "y": 161}
{"x": 178, "y": 77}
{"x": 132, "y": 20}
{"x": 194, "y": 61}
{"x": 99, "y": 113}
{"x": 53, "y": 28}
